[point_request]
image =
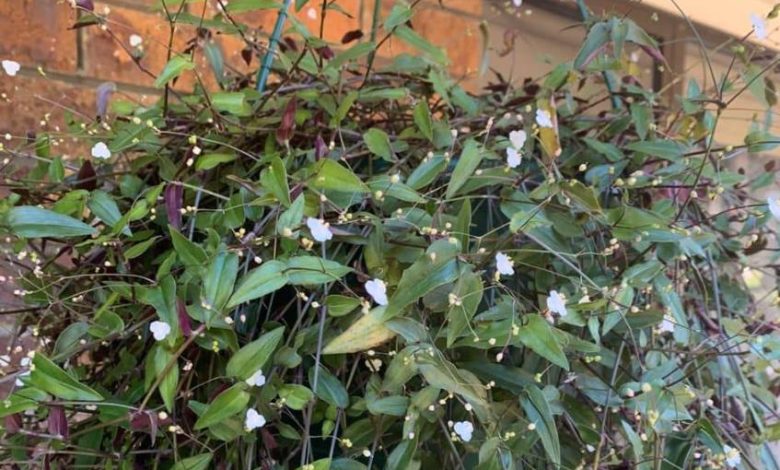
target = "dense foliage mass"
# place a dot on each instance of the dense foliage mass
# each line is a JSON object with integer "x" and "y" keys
{"x": 367, "y": 266}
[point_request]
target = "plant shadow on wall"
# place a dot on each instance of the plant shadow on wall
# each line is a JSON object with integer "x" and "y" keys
{"x": 365, "y": 266}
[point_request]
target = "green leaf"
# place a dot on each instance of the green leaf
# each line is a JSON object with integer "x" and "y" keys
{"x": 48, "y": 377}
{"x": 259, "y": 282}
{"x": 231, "y": 102}
{"x": 106, "y": 209}
{"x": 139, "y": 249}
{"x": 378, "y": 143}
{"x": 468, "y": 162}
{"x": 254, "y": 355}
{"x": 304, "y": 270}
{"x": 291, "y": 218}
{"x": 538, "y": 335}
{"x": 34, "y": 222}
{"x": 421, "y": 278}
{"x": 366, "y": 333}
{"x": 468, "y": 290}
{"x": 399, "y": 14}
{"x": 344, "y": 107}
{"x": 422, "y": 118}
{"x": 426, "y": 172}
{"x": 196, "y": 462}
{"x": 334, "y": 177}
{"x": 213, "y": 52}
{"x": 640, "y": 115}
{"x": 329, "y": 388}
{"x": 274, "y": 179}
{"x": 353, "y": 53}
{"x": 582, "y": 195}
{"x": 239, "y": 6}
{"x": 175, "y": 67}
{"x": 340, "y": 305}
{"x": 409, "y": 36}
{"x": 538, "y": 412}
{"x": 208, "y": 161}
{"x": 295, "y": 396}
{"x": 219, "y": 280}
{"x": 188, "y": 252}
{"x": 666, "y": 149}
{"x": 160, "y": 357}
{"x": 595, "y": 41}
{"x": 228, "y": 403}
{"x": 395, "y": 405}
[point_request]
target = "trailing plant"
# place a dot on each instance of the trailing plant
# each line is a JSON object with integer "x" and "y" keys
{"x": 370, "y": 265}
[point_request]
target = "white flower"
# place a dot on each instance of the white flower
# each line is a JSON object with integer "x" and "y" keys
{"x": 543, "y": 118}
{"x": 518, "y": 139}
{"x": 257, "y": 379}
{"x": 319, "y": 229}
{"x": 464, "y": 430}
{"x": 733, "y": 458}
{"x": 135, "y": 40}
{"x": 24, "y": 363}
{"x": 253, "y": 420}
{"x": 504, "y": 264}
{"x": 759, "y": 26}
{"x": 100, "y": 150}
{"x": 773, "y": 201}
{"x": 377, "y": 289}
{"x": 513, "y": 157}
{"x": 667, "y": 325}
{"x": 11, "y": 67}
{"x": 517, "y": 3}
{"x": 160, "y": 330}
{"x": 556, "y": 303}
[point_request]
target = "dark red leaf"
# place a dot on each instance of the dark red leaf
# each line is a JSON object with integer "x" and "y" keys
{"x": 86, "y": 177}
{"x": 13, "y": 423}
{"x": 285, "y": 131}
{"x": 350, "y": 36}
{"x": 174, "y": 200}
{"x": 58, "y": 422}
{"x": 184, "y": 318}
{"x": 320, "y": 148}
{"x": 326, "y": 52}
{"x": 85, "y": 5}
{"x": 247, "y": 54}
{"x": 654, "y": 53}
{"x": 145, "y": 421}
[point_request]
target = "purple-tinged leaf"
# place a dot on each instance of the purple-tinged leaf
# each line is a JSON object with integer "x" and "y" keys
{"x": 104, "y": 91}
{"x": 285, "y": 131}
{"x": 174, "y": 200}
{"x": 58, "y": 422}
{"x": 320, "y": 148}
{"x": 184, "y": 318}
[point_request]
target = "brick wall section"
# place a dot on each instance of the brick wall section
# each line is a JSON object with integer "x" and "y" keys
{"x": 38, "y": 35}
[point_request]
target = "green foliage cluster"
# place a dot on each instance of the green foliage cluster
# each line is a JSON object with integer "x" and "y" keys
{"x": 367, "y": 266}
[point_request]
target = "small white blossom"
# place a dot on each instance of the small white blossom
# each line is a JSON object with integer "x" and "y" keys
{"x": 320, "y": 230}
{"x": 518, "y": 138}
{"x": 773, "y": 201}
{"x": 517, "y": 3}
{"x": 504, "y": 264}
{"x": 556, "y": 303}
{"x": 513, "y": 157}
{"x": 160, "y": 330}
{"x": 11, "y": 67}
{"x": 100, "y": 150}
{"x": 464, "y": 430}
{"x": 543, "y": 118}
{"x": 135, "y": 40}
{"x": 759, "y": 26}
{"x": 24, "y": 363}
{"x": 667, "y": 325}
{"x": 377, "y": 289}
{"x": 257, "y": 379}
{"x": 253, "y": 420}
{"x": 733, "y": 458}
